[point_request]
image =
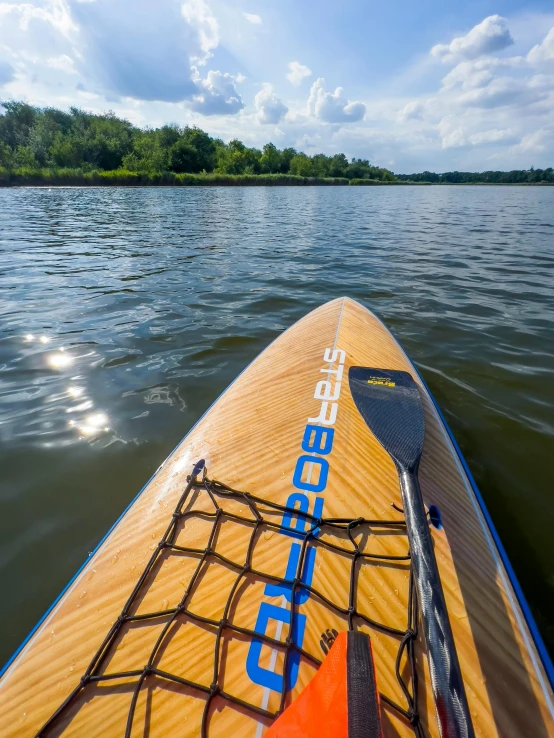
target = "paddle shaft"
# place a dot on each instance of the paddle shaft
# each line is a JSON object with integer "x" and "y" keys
{"x": 446, "y": 680}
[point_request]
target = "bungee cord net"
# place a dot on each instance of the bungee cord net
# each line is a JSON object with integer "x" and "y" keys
{"x": 214, "y": 507}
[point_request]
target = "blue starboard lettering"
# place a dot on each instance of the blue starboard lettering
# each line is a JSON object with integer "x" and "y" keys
{"x": 310, "y": 475}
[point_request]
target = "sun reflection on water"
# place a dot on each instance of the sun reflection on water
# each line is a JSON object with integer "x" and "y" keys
{"x": 59, "y": 360}
{"x": 72, "y": 399}
{"x": 86, "y": 405}
{"x": 93, "y": 424}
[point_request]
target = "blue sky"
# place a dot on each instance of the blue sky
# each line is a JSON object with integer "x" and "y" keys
{"x": 411, "y": 86}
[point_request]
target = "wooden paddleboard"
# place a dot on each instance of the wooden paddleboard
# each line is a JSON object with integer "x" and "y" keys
{"x": 176, "y": 654}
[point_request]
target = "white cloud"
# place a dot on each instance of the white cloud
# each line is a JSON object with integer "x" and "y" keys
{"x": 411, "y": 111}
{"x": 253, "y": 18}
{"x": 503, "y": 92}
{"x": 31, "y": 33}
{"x": 297, "y": 72}
{"x": 480, "y": 72}
{"x": 269, "y": 108}
{"x": 199, "y": 16}
{"x": 332, "y": 107}
{"x": 454, "y": 133}
{"x": 490, "y": 35}
{"x": 492, "y": 136}
{"x": 451, "y": 132}
{"x": 35, "y": 27}
{"x": 536, "y": 142}
{"x": 543, "y": 52}
{"x": 144, "y": 54}
{"x": 218, "y": 94}
{"x": 498, "y": 105}
{"x": 62, "y": 62}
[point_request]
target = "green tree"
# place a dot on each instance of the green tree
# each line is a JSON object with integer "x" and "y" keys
{"x": 271, "y": 160}
{"x": 320, "y": 165}
{"x": 358, "y": 169}
{"x": 107, "y": 141}
{"x": 301, "y": 165}
{"x": 48, "y": 123}
{"x": 66, "y": 151}
{"x": 189, "y": 149}
{"x": 168, "y": 135}
{"x": 101, "y": 141}
{"x": 184, "y": 158}
{"x": 205, "y": 147}
{"x": 236, "y": 158}
{"x": 24, "y": 158}
{"x": 16, "y": 123}
{"x": 6, "y": 156}
{"x": 287, "y": 156}
{"x": 338, "y": 165}
{"x": 146, "y": 156}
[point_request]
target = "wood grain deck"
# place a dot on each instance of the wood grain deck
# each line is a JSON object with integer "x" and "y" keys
{"x": 251, "y": 440}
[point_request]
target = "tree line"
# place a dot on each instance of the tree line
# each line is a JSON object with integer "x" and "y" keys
{"x": 46, "y": 140}
{"x": 36, "y": 138}
{"x": 516, "y": 176}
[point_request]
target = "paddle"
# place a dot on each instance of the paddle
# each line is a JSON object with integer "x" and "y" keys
{"x": 390, "y": 404}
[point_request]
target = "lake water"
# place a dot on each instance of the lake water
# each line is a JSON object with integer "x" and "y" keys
{"x": 160, "y": 297}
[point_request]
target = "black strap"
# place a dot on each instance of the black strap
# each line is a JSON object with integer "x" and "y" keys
{"x": 364, "y": 719}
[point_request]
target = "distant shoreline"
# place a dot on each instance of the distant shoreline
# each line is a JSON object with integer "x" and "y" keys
{"x": 52, "y": 148}
{"x": 122, "y": 178}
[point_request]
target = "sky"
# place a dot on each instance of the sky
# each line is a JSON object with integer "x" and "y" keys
{"x": 410, "y": 86}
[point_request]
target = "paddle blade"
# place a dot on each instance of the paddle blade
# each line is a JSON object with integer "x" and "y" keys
{"x": 390, "y": 403}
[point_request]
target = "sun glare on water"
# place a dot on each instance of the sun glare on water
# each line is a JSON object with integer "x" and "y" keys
{"x": 59, "y": 360}
{"x": 95, "y": 423}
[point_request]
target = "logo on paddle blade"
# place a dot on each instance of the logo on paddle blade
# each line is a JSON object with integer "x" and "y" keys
{"x": 383, "y": 381}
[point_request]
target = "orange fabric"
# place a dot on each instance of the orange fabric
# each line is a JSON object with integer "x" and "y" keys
{"x": 321, "y": 709}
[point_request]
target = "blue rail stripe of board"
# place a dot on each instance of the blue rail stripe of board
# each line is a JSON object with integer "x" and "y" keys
{"x": 526, "y": 610}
